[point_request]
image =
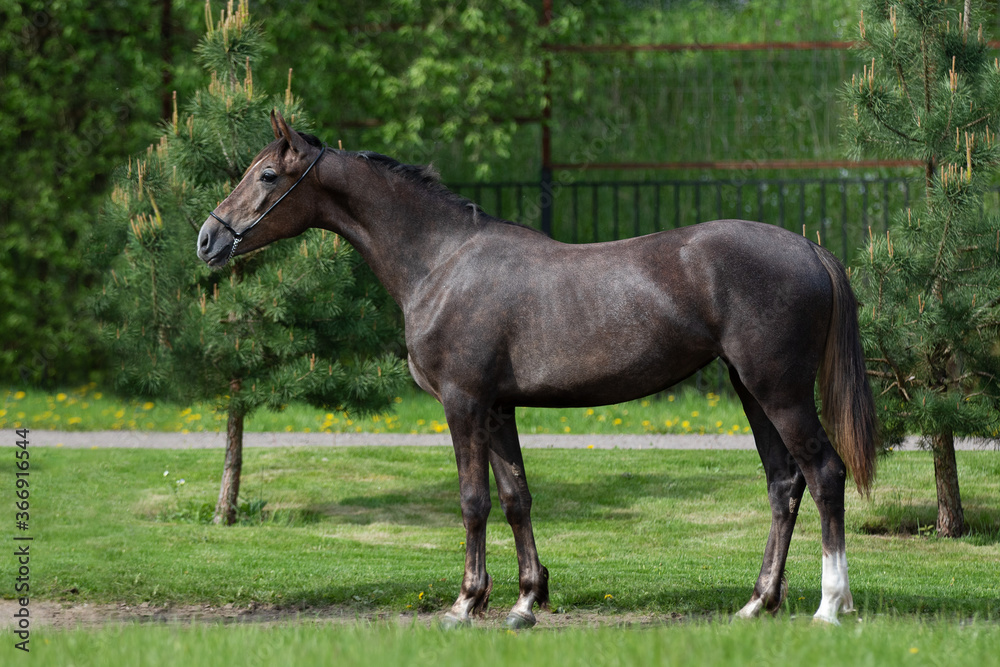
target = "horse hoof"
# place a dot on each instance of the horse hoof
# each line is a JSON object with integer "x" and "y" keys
{"x": 825, "y": 620}
{"x": 452, "y": 622}
{"x": 519, "y": 621}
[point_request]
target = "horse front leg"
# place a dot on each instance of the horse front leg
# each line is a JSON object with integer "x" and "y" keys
{"x": 467, "y": 422}
{"x": 515, "y": 499}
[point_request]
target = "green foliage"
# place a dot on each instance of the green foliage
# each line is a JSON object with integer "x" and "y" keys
{"x": 288, "y": 323}
{"x": 62, "y": 129}
{"x": 929, "y": 310}
{"x": 425, "y": 74}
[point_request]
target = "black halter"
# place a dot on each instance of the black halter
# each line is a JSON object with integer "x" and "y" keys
{"x": 238, "y": 236}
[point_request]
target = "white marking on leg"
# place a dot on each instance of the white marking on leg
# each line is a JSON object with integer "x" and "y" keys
{"x": 835, "y": 587}
{"x": 751, "y": 609}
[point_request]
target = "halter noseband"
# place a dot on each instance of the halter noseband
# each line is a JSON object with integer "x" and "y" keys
{"x": 238, "y": 236}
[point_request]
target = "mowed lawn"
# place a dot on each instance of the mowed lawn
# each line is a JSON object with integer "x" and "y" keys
{"x": 663, "y": 532}
{"x": 672, "y": 538}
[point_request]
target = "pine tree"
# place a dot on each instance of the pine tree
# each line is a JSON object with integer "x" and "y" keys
{"x": 287, "y": 323}
{"x": 930, "y": 310}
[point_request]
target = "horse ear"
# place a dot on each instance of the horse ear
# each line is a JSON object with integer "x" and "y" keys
{"x": 295, "y": 141}
{"x": 274, "y": 126}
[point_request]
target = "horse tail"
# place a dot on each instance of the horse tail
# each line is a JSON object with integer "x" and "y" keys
{"x": 848, "y": 407}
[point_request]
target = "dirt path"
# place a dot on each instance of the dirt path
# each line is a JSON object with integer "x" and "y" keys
{"x": 70, "y": 615}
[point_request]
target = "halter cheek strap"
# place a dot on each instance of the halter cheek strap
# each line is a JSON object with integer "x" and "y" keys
{"x": 238, "y": 236}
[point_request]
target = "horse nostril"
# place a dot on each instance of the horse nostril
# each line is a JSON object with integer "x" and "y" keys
{"x": 203, "y": 241}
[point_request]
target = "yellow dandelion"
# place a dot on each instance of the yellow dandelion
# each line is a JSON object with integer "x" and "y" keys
{"x": 695, "y": 413}
{"x": 670, "y": 398}
{"x": 18, "y": 395}
{"x": 590, "y": 412}
{"x": 120, "y": 413}
{"x": 566, "y": 429}
{"x": 398, "y": 399}
{"x": 617, "y": 421}
{"x": 718, "y": 424}
{"x": 686, "y": 424}
{"x": 289, "y": 428}
{"x": 645, "y": 404}
{"x": 590, "y": 446}
{"x": 98, "y": 396}
{"x": 74, "y": 420}
{"x": 609, "y": 596}
{"x": 148, "y": 405}
{"x": 60, "y": 397}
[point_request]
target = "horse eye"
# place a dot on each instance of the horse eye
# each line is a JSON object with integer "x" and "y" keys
{"x": 268, "y": 176}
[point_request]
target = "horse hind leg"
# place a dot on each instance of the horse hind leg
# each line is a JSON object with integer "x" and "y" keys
{"x": 825, "y": 475}
{"x": 785, "y": 486}
{"x": 515, "y": 499}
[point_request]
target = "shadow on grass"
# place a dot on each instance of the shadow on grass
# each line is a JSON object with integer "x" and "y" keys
{"x": 604, "y": 497}
{"x": 902, "y": 518}
{"x": 402, "y": 596}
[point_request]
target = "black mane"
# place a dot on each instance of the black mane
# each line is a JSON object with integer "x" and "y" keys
{"x": 428, "y": 178}
{"x": 311, "y": 139}
{"x": 422, "y": 174}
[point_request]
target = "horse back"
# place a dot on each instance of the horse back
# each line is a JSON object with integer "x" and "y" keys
{"x": 544, "y": 323}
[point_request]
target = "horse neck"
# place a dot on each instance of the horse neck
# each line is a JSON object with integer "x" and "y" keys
{"x": 401, "y": 229}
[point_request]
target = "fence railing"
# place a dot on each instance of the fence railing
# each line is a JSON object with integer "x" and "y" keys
{"x": 839, "y": 210}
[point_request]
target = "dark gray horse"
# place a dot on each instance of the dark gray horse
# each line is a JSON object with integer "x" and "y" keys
{"x": 498, "y": 315}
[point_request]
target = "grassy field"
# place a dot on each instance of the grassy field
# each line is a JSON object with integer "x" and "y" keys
{"x": 880, "y": 642}
{"x": 660, "y": 532}
{"x": 88, "y": 408}
{"x": 672, "y": 538}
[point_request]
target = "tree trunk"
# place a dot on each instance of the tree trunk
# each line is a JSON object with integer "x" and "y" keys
{"x": 225, "y": 509}
{"x": 951, "y": 518}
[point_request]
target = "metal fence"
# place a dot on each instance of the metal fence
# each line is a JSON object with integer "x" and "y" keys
{"x": 838, "y": 211}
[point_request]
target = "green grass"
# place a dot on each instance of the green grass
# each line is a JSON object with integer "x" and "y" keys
{"x": 88, "y": 408}
{"x": 881, "y": 642}
{"x": 369, "y": 529}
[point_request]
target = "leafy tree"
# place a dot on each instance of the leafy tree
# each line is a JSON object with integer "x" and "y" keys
{"x": 433, "y": 79}
{"x": 930, "y": 311}
{"x": 287, "y": 323}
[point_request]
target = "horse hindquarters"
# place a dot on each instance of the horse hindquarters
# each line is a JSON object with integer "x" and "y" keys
{"x": 790, "y": 438}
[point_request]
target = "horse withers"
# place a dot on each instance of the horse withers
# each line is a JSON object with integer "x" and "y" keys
{"x": 498, "y": 315}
